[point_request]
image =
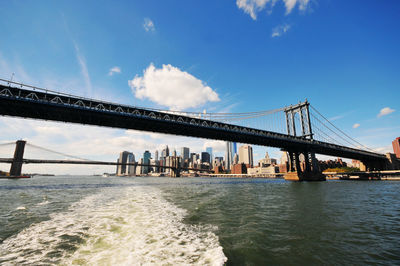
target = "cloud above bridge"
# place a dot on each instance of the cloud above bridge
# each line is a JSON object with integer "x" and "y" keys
{"x": 385, "y": 111}
{"x": 171, "y": 87}
{"x": 253, "y": 7}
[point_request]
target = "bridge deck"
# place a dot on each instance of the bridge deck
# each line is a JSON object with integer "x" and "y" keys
{"x": 46, "y": 105}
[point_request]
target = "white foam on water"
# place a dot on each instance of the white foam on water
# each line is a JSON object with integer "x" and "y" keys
{"x": 21, "y": 208}
{"x": 43, "y": 203}
{"x": 120, "y": 226}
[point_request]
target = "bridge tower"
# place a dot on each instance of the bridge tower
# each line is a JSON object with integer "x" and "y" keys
{"x": 16, "y": 165}
{"x": 303, "y": 166}
{"x": 176, "y": 169}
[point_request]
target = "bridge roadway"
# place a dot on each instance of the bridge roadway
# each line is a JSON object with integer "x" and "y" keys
{"x": 38, "y": 161}
{"x": 43, "y": 104}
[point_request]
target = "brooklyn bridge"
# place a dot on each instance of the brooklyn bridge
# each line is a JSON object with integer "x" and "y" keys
{"x": 300, "y": 129}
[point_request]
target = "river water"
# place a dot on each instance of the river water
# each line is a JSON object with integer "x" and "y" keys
{"x": 92, "y": 220}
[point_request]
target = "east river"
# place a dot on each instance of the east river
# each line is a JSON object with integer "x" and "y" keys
{"x": 94, "y": 220}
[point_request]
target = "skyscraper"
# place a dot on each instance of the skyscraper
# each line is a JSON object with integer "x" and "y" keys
{"x": 184, "y": 153}
{"x": 246, "y": 155}
{"x": 156, "y": 155}
{"x": 205, "y": 157}
{"x": 131, "y": 168}
{"x": 396, "y": 147}
{"x": 123, "y": 158}
{"x": 146, "y": 161}
{"x": 228, "y": 155}
{"x": 209, "y": 150}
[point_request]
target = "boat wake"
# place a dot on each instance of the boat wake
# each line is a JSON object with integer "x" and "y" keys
{"x": 131, "y": 226}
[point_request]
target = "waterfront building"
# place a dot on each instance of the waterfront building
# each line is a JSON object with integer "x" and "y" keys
{"x": 156, "y": 155}
{"x": 396, "y": 147}
{"x": 246, "y": 155}
{"x": 239, "y": 169}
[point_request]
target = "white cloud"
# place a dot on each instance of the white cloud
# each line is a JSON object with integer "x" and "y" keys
{"x": 216, "y": 145}
{"x": 148, "y": 25}
{"x": 279, "y": 30}
{"x": 385, "y": 111}
{"x": 169, "y": 86}
{"x": 114, "y": 70}
{"x": 356, "y": 125}
{"x": 84, "y": 69}
{"x": 252, "y": 7}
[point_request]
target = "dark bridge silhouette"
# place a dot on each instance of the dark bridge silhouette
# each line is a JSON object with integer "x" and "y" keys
{"x": 31, "y": 102}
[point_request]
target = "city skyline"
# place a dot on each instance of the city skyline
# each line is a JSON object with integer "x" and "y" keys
{"x": 263, "y": 61}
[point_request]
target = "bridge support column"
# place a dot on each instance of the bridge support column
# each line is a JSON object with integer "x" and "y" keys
{"x": 310, "y": 170}
{"x": 16, "y": 165}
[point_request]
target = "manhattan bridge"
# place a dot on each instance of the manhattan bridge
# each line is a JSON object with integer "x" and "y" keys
{"x": 300, "y": 129}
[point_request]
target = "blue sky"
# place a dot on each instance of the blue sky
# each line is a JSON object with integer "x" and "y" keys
{"x": 343, "y": 56}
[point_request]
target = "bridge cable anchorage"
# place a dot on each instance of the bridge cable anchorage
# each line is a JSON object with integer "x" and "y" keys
{"x": 360, "y": 144}
{"x": 56, "y": 152}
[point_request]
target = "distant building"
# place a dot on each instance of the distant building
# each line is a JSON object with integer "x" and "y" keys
{"x": 139, "y": 168}
{"x": 123, "y": 158}
{"x": 396, "y": 147}
{"x": 174, "y": 153}
{"x": 246, "y": 155}
{"x": 267, "y": 161}
{"x": 165, "y": 152}
{"x": 205, "y": 157}
{"x": 272, "y": 169}
{"x": 185, "y": 153}
{"x": 146, "y": 161}
{"x": 156, "y": 155}
{"x": 240, "y": 168}
{"x": 131, "y": 168}
{"x": 229, "y": 155}
{"x": 236, "y": 158}
{"x": 210, "y": 151}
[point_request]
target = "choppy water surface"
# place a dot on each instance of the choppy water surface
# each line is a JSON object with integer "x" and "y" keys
{"x": 164, "y": 221}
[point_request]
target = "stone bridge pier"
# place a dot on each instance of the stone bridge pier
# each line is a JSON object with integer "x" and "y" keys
{"x": 16, "y": 165}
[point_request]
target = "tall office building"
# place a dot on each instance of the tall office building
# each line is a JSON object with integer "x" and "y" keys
{"x": 174, "y": 153}
{"x": 209, "y": 150}
{"x": 146, "y": 161}
{"x": 156, "y": 155}
{"x": 229, "y": 155}
{"x": 246, "y": 155}
{"x": 396, "y": 147}
{"x": 131, "y": 168}
{"x": 184, "y": 153}
{"x": 205, "y": 157}
{"x": 123, "y": 158}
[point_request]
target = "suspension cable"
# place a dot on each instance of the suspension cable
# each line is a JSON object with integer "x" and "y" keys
{"x": 339, "y": 129}
{"x": 56, "y": 152}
